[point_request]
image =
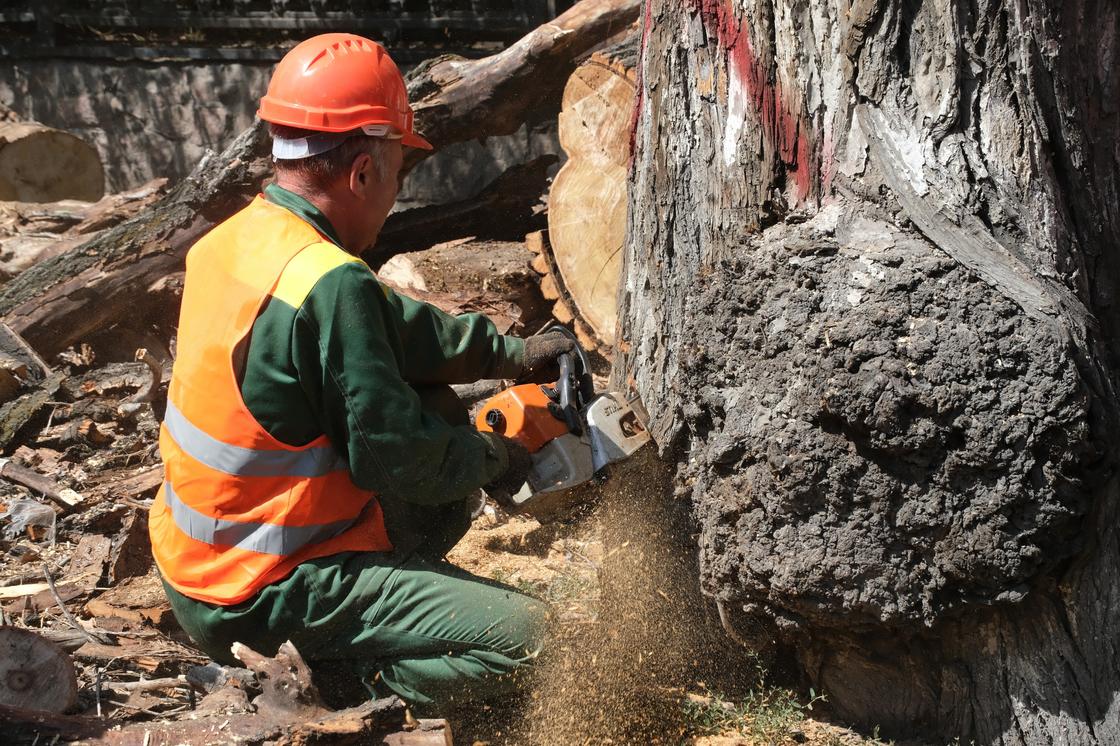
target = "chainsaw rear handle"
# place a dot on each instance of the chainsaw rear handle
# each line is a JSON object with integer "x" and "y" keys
{"x": 582, "y": 385}
{"x": 566, "y": 389}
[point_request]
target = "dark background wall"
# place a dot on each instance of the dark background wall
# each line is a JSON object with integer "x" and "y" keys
{"x": 154, "y": 85}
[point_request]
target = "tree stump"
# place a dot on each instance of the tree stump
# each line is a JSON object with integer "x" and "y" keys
{"x": 41, "y": 164}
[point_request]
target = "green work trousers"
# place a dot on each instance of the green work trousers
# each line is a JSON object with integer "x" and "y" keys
{"x": 427, "y": 631}
{"x": 404, "y": 622}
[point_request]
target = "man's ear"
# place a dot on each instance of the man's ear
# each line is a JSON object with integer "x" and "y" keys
{"x": 362, "y": 175}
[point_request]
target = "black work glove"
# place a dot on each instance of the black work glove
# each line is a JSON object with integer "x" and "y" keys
{"x": 509, "y": 483}
{"x": 541, "y": 353}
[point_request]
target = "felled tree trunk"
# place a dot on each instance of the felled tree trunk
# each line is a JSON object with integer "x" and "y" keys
{"x": 869, "y": 304}
{"x": 515, "y": 195}
{"x": 32, "y": 231}
{"x": 121, "y": 275}
{"x": 457, "y": 100}
{"x": 129, "y": 274}
{"x": 582, "y": 255}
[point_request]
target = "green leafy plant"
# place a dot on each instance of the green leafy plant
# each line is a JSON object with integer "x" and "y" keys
{"x": 765, "y": 714}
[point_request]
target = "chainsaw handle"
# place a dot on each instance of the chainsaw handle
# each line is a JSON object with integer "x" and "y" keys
{"x": 565, "y": 387}
{"x": 583, "y": 388}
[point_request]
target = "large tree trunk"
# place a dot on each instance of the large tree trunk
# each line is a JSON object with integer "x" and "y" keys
{"x": 868, "y": 299}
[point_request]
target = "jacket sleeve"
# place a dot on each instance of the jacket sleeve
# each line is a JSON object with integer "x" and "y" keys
{"x": 353, "y": 343}
{"x": 437, "y": 347}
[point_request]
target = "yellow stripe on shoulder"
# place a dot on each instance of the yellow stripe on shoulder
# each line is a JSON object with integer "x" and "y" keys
{"x": 305, "y": 269}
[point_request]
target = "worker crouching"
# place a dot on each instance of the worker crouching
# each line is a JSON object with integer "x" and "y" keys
{"x": 318, "y": 465}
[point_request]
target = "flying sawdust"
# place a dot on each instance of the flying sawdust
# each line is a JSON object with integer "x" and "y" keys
{"x": 622, "y": 678}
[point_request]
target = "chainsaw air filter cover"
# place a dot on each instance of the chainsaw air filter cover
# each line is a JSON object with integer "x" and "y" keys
{"x": 524, "y": 413}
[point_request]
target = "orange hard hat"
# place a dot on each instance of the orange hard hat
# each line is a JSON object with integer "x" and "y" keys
{"x": 338, "y": 83}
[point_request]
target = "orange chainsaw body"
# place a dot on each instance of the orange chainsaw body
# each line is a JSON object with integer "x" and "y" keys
{"x": 522, "y": 413}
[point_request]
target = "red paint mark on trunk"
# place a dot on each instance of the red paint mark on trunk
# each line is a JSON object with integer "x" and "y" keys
{"x": 781, "y": 118}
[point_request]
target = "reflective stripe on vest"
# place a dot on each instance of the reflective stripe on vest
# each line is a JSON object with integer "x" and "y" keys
{"x": 247, "y": 462}
{"x": 265, "y": 538}
{"x": 232, "y": 515}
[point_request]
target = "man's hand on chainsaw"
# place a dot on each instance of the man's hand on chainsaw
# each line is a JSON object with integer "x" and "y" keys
{"x": 541, "y": 363}
{"x": 502, "y": 489}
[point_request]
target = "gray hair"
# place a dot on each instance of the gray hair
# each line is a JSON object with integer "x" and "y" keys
{"x": 322, "y": 169}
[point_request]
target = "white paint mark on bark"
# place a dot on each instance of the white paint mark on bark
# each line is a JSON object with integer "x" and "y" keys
{"x": 913, "y": 158}
{"x": 736, "y": 115}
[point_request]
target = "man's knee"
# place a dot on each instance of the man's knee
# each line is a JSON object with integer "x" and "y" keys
{"x": 526, "y": 623}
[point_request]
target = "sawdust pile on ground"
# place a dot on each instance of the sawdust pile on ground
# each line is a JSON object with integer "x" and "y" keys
{"x": 622, "y": 677}
{"x": 634, "y": 644}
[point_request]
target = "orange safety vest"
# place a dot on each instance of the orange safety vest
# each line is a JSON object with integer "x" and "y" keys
{"x": 239, "y": 509}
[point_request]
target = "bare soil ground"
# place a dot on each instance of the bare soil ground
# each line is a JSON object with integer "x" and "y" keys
{"x": 638, "y": 655}
{"x": 600, "y": 682}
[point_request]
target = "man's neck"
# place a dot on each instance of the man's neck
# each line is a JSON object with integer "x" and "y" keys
{"x": 335, "y": 213}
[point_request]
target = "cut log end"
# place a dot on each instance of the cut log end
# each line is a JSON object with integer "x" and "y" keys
{"x": 587, "y": 203}
{"x": 35, "y": 674}
{"x": 41, "y": 164}
{"x": 564, "y": 308}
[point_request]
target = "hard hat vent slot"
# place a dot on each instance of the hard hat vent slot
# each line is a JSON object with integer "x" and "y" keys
{"x": 317, "y": 59}
{"x": 352, "y": 45}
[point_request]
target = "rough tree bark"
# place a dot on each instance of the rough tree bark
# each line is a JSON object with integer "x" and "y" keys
{"x": 869, "y": 301}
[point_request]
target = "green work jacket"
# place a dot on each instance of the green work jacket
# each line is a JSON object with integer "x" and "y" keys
{"x": 344, "y": 364}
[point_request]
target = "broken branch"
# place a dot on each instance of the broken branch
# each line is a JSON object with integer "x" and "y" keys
{"x": 63, "y": 497}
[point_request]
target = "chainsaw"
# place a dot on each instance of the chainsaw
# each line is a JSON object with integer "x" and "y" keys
{"x": 572, "y": 433}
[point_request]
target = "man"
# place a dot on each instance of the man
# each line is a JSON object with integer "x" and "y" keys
{"x": 317, "y": 463}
